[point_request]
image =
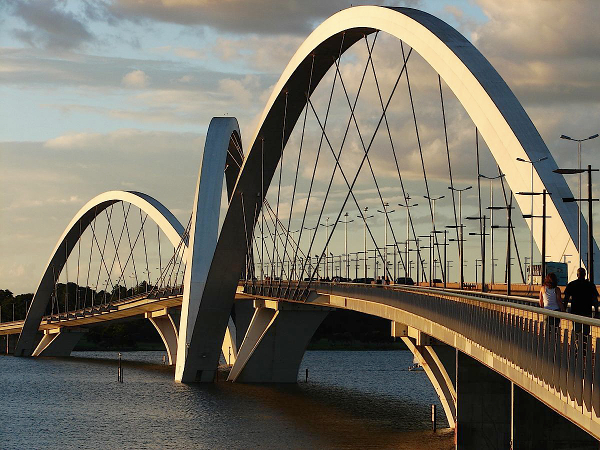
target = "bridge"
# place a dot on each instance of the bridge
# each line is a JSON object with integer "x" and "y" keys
{"x": 255, "y": 284}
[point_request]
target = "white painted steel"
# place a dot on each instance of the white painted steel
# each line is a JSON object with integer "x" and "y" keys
{"x": 437, "y": 375}
{"x": 494, "y": 109}
{"x": 167, "y": 330}
{"x": 59, "y": 343}
{"x": 167, "y": 222}
{"x": 193, "y": 361}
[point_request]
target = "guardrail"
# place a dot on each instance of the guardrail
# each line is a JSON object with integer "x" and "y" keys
{"x": 559, "y": 350}
{"x": 104, "y": 307}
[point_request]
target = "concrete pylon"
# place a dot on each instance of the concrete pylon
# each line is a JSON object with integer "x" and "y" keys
{"x": 198, "y": 351}
{"x": 59, "y": 342}
{"x": 165, "y": 325}
{"x": 275, "y": 342}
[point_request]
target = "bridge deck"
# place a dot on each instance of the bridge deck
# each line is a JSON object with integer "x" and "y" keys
{"x": 128, "y": 308}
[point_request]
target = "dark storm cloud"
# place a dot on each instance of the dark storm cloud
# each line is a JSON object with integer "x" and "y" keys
{"x": 48, "y": 25}
{"x": 240, "y": 16}
{"x": 547, "y": 50}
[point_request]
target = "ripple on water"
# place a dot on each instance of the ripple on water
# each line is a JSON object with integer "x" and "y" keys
{"x": 363, "y": 399}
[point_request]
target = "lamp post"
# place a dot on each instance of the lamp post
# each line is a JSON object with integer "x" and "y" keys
{"x": 482, "y": 234}
{"x": 385, "y": 212}
{"x": 590, "y": 200}
{"x": 347, "y": 260}
{"x": 460, "y": 227}
{"x": 544, "y": 193}
{"x": 492, "y": 208}
{"x": 532, "y": 162}
{"x": 443, "y": 263}
{"x": 364, "y": 217}
{"x": 433, "y": 200}
{"x": 312, "y": 231}
{"x": 509, "y": 229}
{"x": 430, "y": 247}
{"x": 327, "y": 225}
{"x": 407, "y": 205}
{"x": 318, "y": 264}
{"x": 579, "y": 141}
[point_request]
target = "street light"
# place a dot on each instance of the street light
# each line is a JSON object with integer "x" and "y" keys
{"x": 482, "y": 234}
{"x": 364, "y": 217}
{"x": 430, "y": 247}
{"x": 544, "y": 193}
{"x": 433, "y": 200}
{"x": 532, "y": 162}
{"x": 491, "y": 208}
{"x": 346, "y": 222}
{"x": 579, "y": 141}
{"x": 508, "y": 227}
{"x": 460, "y": 232}
{"x": 312, "y": 237}
{"x": 407, "y": 205}
{"x": 326, "y": 225}
{"x": 590, "y": 200}
{"x": 385, "y": 212}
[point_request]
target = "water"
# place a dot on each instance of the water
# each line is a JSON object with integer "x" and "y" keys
{"x": 361, "y": 400}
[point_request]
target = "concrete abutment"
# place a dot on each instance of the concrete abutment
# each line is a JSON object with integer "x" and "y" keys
{"x": 275, "y": 342}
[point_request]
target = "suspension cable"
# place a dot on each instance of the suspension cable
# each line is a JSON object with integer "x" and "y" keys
{"x": 312, "y": 179}
{"x": 298, "y": 164}
{"x": 449, "y": 163}
{"x": 353, "y": 117}
{"x": 350, "y": 186}
{"x": 507, "y": 204}
{"x": 145, "y": 249}
{"x": 412, "y": 104}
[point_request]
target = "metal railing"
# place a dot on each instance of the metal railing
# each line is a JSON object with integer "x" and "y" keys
{"x": 558, "y": 350}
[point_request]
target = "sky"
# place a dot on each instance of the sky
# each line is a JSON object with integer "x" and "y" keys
{"x": 118, "y": 94}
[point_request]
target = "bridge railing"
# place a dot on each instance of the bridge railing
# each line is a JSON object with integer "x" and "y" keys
{"x": 558, "y": 350}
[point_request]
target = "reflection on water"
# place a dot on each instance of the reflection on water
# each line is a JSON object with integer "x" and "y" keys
{"x": 352, "y": 400}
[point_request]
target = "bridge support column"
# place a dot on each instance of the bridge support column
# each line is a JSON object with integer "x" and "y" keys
{"x": 229, "y": 347}
{"x": 483, "y": 407}
{"x": 421, "y": 347}
{"x": 59, "y": 342}
{"x": 207, "y": 300}
{"x": 166, "y": 327}
{"x": 243, "y": 310}
{"x": 536, "y": 426}
{"x": 275, "y": 342}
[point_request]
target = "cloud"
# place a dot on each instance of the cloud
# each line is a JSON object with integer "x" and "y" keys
{"x": 48, "y": 25}
{"x": 129, "y": 140}
{"x": 135, "y": 79}
{"x": 541, "y": 49}
{"x": 238, "y": 16}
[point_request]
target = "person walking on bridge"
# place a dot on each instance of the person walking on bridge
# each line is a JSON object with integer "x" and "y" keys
{"x": 584, "y": 296}
{"x": 550, "y": 297}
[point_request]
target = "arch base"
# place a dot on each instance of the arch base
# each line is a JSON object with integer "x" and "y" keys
{"x": 60, "y": 342}
{"x": 275, "y": 343}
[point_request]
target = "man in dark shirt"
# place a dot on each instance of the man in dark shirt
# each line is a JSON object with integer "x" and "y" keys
{"x": 583, "y": 295}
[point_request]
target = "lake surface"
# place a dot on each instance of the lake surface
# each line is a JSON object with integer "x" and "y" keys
{"x": 362, "y": 399}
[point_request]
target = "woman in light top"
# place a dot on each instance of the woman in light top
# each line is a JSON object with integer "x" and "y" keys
{"x": 550, "y": 296}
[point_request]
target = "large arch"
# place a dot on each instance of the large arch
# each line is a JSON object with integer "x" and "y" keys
{"x": 167, "y": 222}
{"x": 500, "y": 118}
{"x": 494, "y": 109}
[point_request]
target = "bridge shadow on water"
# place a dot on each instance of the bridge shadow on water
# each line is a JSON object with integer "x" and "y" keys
{"x": 341, "y": 417}
{"x": 77, "y": 402}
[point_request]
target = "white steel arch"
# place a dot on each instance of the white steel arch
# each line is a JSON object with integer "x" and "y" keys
{"x": 494, "y": 109}
{"x": 500, "y": 118}
{"x": 166, "y": 221}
